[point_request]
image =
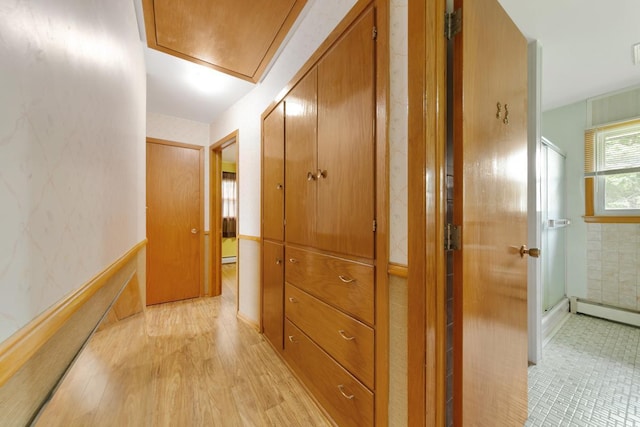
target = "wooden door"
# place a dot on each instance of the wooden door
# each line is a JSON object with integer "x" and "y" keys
{"x": 273, "y": 175}
{"x": 346, "y": 122}
{"x": 300, "y": 166}
{"x": 273, "y": 293}
{"x": 490, "y": 202}
{"x": 173, "y": 222}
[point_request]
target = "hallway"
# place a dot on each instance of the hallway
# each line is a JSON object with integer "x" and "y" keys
{"x": 189, "y": 363}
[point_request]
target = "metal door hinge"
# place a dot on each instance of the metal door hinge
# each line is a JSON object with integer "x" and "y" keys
{"x": 374, "y": 225}
{"x": 374, "y": 33}
{"x": 452, "y": 23}
{"x": 452, "y": 237}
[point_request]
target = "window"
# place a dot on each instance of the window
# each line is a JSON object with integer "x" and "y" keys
{"x": 612, "y": 170}
{"x": 229, "y": 204}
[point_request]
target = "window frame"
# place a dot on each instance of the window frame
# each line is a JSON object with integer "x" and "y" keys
{"x": 594, "y": 176}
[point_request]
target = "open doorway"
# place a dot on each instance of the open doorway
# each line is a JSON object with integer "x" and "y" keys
{"x": 224, "y": 215}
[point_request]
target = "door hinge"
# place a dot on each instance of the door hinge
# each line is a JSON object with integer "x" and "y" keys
{"x": 374, "y": 33}
{"x": 452, "y": 23}
{"x": 452, "y": 236}
{"x": 375, "y": 225}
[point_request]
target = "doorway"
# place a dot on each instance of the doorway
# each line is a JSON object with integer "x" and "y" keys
{"x": 175, "y": 204}
{"x": 224, "y": 210}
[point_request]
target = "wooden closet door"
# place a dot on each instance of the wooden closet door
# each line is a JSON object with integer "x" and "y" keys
{"x": 273, "y": 175}
{"x": 300, "y": 163}
{"x": 273, "y": 293}
{"x": 346, "y": 156}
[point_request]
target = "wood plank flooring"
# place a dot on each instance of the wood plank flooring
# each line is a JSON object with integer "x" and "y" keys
{"x": 188, "y": 363}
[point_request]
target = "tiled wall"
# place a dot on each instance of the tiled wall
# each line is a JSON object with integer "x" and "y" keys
{"x": 613, "y": 264}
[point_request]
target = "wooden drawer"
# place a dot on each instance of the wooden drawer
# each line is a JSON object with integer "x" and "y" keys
{"x": 344, "y": 284}
{"x": 349, "y": 341}
{"x": 347, "y": 401}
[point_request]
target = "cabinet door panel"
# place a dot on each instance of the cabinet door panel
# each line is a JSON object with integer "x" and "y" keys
{"x": 273, "y": 175}
{"x": 346, "y": 120}
{"x": 273, "y": 293}
{"x": 300, "y": 131}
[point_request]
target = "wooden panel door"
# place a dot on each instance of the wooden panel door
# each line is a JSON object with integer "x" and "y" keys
{"x": 346, "y": 120}
{"x": 490, "y": 202}
{"x": 273, "y": 175}
{"x": 300, "y": 163}
{"x": 173, "y": 223}
{"x": 273, "y": 293}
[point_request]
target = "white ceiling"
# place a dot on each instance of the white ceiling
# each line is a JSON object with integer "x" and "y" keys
{"x": 586, "y": 45}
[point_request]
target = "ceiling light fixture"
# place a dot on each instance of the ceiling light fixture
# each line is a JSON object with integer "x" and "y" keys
{"x": 636, "y": 53}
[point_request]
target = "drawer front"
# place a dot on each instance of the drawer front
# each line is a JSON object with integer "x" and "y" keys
{"x": 349, "y": 341}
{"x": 347, "y": 401}
{"x": 344, "y": 284}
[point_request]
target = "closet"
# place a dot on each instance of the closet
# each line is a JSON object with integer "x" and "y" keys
{"x": 319, "y": 226}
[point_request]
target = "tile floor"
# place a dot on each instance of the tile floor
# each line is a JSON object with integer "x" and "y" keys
{"x": 589, "y": 376}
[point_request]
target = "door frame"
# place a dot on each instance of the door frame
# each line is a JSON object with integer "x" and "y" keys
{"x": 215, "y": 212}
{"x": 201, "y": 201}
{"x": 426, "y": 205}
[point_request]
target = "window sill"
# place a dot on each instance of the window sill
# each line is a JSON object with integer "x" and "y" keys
{"x": 612, "y": 219}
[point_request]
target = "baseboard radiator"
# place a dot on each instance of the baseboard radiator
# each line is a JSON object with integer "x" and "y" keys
{"x": 603, "y": 311}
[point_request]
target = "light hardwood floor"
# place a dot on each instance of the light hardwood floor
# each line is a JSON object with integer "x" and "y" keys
{"x": 189, "y": 363}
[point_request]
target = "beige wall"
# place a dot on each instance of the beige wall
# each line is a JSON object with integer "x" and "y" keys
{"x": 72, "y": 154}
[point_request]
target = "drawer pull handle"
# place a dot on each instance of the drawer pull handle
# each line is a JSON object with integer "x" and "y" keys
{"x": 293, "y": 260}
{"x": 293, "y": 300}
{"x": 346, "y": 279}
{"x": 344, "y": 335}
{"x": 348, "y": 396}
{"x": 292, "y": 339}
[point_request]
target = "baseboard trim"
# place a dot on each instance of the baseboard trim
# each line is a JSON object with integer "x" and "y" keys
{"x": 607, "y": 312}
{"x": 17, "y": 350}
{"x": 248, "y": 321}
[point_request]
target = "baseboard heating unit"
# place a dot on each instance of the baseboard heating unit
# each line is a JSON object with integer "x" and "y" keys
{"x": 603, "y": 311}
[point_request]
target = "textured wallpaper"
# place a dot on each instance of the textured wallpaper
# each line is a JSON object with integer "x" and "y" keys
{"x": 398, "y": 124}
{"x": 72, "y": 153}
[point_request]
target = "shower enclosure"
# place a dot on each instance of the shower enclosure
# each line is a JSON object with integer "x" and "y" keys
{"x": 555, "y": 304}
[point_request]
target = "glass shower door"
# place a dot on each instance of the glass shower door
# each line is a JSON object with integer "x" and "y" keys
{"x": 554, "y": 225}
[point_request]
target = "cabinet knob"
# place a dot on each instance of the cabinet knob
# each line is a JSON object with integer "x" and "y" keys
{"x": 311, "y": 176}
{"x": 279, "y": 186}
{"x": 278, "y": 261}
{"x": 292, "y": 299}
{"x": 293, "y": 260}
{"x": 321, "y": 174}
{"x": 194, "y": 231}
{"x": 292, "y": 339}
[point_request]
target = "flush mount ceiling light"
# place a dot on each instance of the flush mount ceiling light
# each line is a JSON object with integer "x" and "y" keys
{"x": 636, "y": 53}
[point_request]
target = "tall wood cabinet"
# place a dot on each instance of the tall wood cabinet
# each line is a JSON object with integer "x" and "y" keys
{"x": 318, "y": 278}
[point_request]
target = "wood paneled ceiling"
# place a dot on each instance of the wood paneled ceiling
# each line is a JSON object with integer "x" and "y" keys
{"x": 237, "y": 37}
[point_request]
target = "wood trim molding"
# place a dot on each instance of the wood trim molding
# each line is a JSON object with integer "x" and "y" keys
{"x": 174, "y": 143}
{"x": 426, "y": 270}
{"x": 246, "y": 237}
{"x": 215, "y": 208}
{"x": 248, "y": 321}
{"x": 21, "y": 346}
{"x": 612, "y": 219}
{"x": 382, "y": 211}
{"x": 398, "y": 270}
